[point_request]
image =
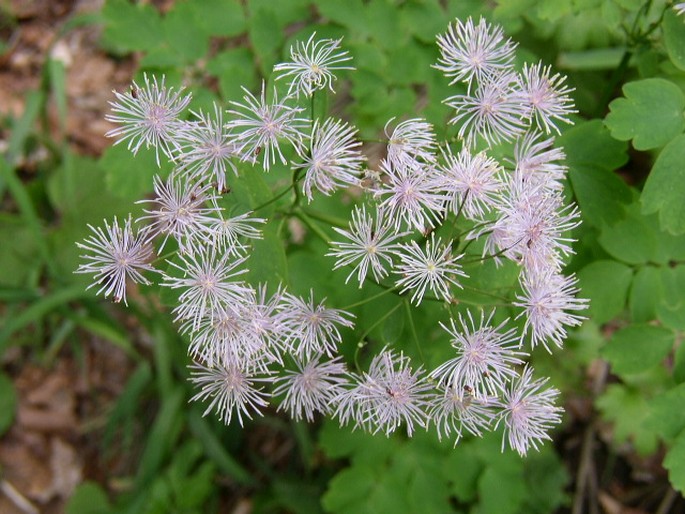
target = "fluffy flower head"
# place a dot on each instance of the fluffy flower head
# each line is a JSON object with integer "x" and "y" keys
{"x": 312, "y": 65}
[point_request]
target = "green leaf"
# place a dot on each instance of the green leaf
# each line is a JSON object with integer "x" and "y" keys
{"x": 214, "y": 450}
{"x": 184, "y": 32}
{"x": 8, "y": 403}
{"x": 600, "y": 193}
{"x": 337, "y": 442}
{"x": 130, "y": 177}
{"x": 383, "y": 22}
{"x": 220, "y": 17}
{"x": 350, "y": 13}
{"x": 266, "y": 37}
{"x": 553, "y": 10}
{"x": 674, "y": 462}
{"x": 629, "y": 410}
{"x": 234, "y": 68}
{"x": 663, "y": 190}
{"x": 651, "y": 114}
{"x": 605, "y": 283}
{"x": 591, "y": 59}
{"x": 38, "y": 309}
{"x": 631, "y": 240}
{"x": 668, "y": 412}
{"x": 464, "y": 467}
{"x": 267, "y": 262}
{"x": 671, "y": 309}
{"x": 546, "y": 479}
{"x": 674, "y": 38}
{"x": 286, "y": 11}
{"x": 122, "y": 415}
{"x": 404, "y": 481}
{"x": 77, "y": 191}
{"x": 590, "y": 144}
{"x": 132, "y": 26}
{"x": 424, "y": 19}
{"x": 19, "y": 260}
{"x": 161, "y": 437}
{"x": 296, "y": 496}
{"x": 393, "y": 327}
{"x": 679, "y": 365}
{"x": 88, "y": 498}
{"x": 646, "y": 293}
{"x": 510, "y": 491}
{"x": 592, "y": 155}
{"x": 410, "y": 64}
{"x": 349, "y": 490}
{"x": 637, "y": 348}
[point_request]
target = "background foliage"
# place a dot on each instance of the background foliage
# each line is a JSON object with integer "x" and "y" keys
{"x": 626, "y": 59}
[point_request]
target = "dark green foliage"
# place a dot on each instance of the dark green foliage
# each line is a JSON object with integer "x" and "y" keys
{"x": 626, "y": 173}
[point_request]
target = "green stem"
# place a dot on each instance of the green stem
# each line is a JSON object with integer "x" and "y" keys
{"x": 361, "y": 343}
{"x": 331, "y": 220}
{"x": 313, "y": 226}
{"x": 492, "y": 255}
{"x": 385, "y": 291}
{"x": 275, "y": 198}
{"x": 412, "y": 328}
{"x": 296, "y": 178}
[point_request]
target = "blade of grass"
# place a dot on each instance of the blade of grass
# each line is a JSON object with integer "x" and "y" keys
{"x": 29, "y": 214}
{"x": 122, "y": 414}
{"x": 57, "y": 340}
{"x": 161, "y": 439}
{"x": 162, "y": 356}
{"x": 37, "y": 310}
{"x": 22, "y": 128}
{"x": 215, "y": 450}
{"x": 109, "y": 333}
{"x": 57, "y": 76}
{"x": 17, "y": 294}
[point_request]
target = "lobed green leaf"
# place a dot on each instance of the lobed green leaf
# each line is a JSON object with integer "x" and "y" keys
{"x": 651, "y": 114}
{"x": 637, "y": 348}
{"x": 663, "y": 191}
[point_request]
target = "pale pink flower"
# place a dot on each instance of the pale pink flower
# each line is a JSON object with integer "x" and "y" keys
{"x": 181, "y": 209}
{"x": 433, "y": 268}
{"x": 528, "y": 412}
{"x": 311, "y": 328}
{"x": 115, "y": 255}
{"x": 486, "y": 356}
{"x": 471, "y": 183}
{"x": 495, "y": 111}
{"x": 313, "y": 387}
{"x": 259, "y": 127}
{"x": 312, "y": 65}
{"x": 410, "y": 195}
{"x": 411, "y": 142}
{"x": 549, "y": 302}
{"x": 388, "y": 395}
{"x": 208, "y": 284}
{"x": 536, "y": 160}
{"x": 333, "y": 158}
{"x": 471, "y": 52}
{"x": 231, "y": 390}
{"x": 149, "y": 115}
{"x": 547, "y": 96}
{"x": 372, "y": 245}
{"x": 456, "y": 410}
{"x": 209, "y": 149}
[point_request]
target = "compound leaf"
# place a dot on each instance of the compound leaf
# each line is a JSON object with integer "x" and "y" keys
{"x": 651, "y": 114}
{"x": 674, "y": 38}
{"x": 637, "y": 348}
{"x": 663, "y": 191}
{"x": 606, "y": 284}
